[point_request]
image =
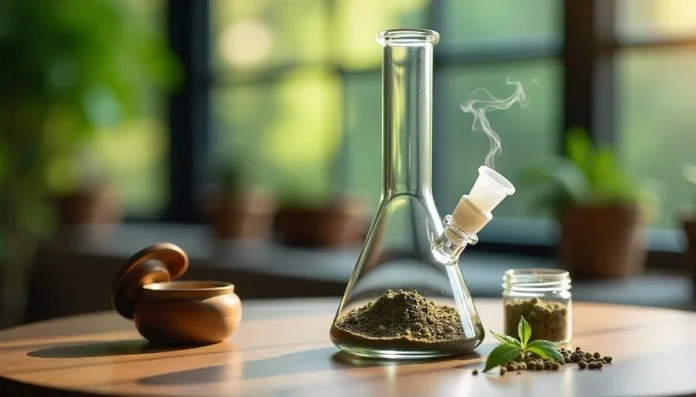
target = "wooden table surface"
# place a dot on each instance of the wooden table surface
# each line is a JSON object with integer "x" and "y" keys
{"x": 282, "y": 349}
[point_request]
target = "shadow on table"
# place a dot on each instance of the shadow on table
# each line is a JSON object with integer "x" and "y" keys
{"x": 104, "y": 349}
{"x": 312, "y": 360}
{"x": 307, "y": 361}
{"x": 473, "y": 358}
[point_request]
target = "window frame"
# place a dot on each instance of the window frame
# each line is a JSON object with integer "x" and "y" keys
{"x": 587, "y": 50}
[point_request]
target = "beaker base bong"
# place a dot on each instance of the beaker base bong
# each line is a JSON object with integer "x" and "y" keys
{"x": 406, "y": 298}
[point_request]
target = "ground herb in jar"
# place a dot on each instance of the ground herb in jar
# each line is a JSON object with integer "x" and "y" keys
{"x": 549, "y": 320}
{"x": 403, "y": 320}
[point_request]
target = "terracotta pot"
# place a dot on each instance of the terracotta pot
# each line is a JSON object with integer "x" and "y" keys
{"x": 93, "y": 204}
{"x": 341, "y": 223}
{"x": 689, "y": 226}
{"x": 240, "y": 214}
{"x": 602, "y": 242}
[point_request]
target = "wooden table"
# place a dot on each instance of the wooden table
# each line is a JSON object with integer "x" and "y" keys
{"x": 282, "y": 348}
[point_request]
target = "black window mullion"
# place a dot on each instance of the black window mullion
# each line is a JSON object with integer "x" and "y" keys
{"x": 605, "y": 97}
{"x": 578, "y": 62}
{"x": 188, "y": 30}
{"x": 589, "y": 86}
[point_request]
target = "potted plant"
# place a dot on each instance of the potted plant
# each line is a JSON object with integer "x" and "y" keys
{"x": 84, "y": 195}
{"x": 689, "y": 220}
{"x": 69, "y": 70}
{"x": 313, "y": 216}
{"x": 600, "y": 211}
{"x": 237, "y": 209}
{"x": 309, "y": 178}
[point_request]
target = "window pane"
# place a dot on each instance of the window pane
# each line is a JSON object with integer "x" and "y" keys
{"x": 284, "y": 134}
{"x": 472, "y": 25}
{"x": 656, "y": 18}
{"x": 357, "y": 23}
{"x": 658, "y": 123}
{"x": 528, "y": 134}
{"x": 363, "y": 123}
{"x": 249, "y": 35}
{"x": 133, "y": 156}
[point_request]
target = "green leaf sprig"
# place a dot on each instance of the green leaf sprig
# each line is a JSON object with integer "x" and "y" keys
{"x": 511, "y": 348}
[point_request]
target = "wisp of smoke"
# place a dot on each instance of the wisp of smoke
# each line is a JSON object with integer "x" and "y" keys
{"x": 485, "y": 103}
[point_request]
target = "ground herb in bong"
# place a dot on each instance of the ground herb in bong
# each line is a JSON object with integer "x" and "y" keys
{"x": 401, "y": 319}
{"x": 549, "y": 320}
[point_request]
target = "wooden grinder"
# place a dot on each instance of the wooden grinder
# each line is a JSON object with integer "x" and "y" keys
{"x": 173, "y": 312}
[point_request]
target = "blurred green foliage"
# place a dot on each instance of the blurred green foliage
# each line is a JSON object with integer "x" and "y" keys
{"x": 588, "y": 176}
{"x": 69, "y": 70}
{"x": 73, "y": 68}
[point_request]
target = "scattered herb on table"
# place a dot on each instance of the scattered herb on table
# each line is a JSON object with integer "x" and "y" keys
{"x": 537, "y": 355}
{"x": 515, "y": 350}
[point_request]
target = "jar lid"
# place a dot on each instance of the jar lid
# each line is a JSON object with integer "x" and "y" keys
{"x": 156, "y": 263}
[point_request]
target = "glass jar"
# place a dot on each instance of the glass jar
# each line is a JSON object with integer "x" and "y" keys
{"x": 543, "y": 297}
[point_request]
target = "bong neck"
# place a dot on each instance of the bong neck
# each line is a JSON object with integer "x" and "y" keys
{"x": 407, "y": 72}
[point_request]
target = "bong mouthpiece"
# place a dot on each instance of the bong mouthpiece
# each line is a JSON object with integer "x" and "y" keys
{"x": 474, "y": 210}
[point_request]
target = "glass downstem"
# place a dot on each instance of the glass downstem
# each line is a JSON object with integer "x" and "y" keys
{"x": 446, "y": 249}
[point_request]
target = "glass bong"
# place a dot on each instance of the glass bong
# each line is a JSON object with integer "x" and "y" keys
{"x": 406, "y": 297}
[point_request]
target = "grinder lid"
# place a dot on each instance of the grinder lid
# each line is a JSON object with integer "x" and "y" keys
{"x": 156, "y": 263}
